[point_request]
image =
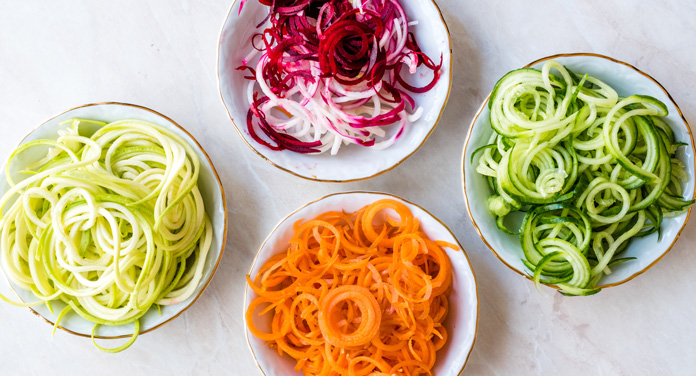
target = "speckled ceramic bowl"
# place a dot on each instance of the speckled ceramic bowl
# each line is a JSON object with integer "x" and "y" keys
{"x": 352, "y": 162}
{"x": 626, "y": 80}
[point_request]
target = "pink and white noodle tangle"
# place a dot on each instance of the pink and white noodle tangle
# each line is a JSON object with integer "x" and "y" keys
{"x": 330, "y": 73}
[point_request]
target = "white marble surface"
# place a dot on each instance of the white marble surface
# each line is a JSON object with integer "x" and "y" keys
{"x": 161, "y": 54}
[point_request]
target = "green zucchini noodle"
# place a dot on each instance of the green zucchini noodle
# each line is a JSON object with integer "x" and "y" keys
{"x": 592, "y": 171}
{"x": 112, "y": 224}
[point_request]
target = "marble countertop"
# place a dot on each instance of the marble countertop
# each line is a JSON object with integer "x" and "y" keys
{"x": 162, "y": 54}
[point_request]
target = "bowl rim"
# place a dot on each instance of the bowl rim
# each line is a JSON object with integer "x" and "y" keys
{"x": 483, "y": 105}
{"x": 224, "y": 204}
{"x": 241, "y": 135}
{"x": 376, "y": 193}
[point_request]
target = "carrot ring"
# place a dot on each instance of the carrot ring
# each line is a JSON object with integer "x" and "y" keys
{"x": 371, "y": 316}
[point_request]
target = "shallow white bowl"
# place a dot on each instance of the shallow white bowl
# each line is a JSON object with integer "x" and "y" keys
{"x": 208, "y": 183}
{"x": 353, "y": 162}
{"x": 626, "y": 80}
{"x": 461, "y": 323}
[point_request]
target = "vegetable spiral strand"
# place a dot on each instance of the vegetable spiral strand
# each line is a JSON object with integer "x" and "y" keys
{"x": 110, "y": 224}
{"x": 591, "y": 170}
{"x": 356, "y": 294}
{"x": 332, "y": 73}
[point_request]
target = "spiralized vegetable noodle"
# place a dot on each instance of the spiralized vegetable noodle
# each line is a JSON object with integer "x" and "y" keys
{"x": 592, "y": 170}
{"x": 111, "y": 225}
{"x": 332, "y": 73}
{"x": 356, "y": 294}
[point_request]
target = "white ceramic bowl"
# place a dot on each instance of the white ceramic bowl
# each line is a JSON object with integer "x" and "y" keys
{"x": 461, "y": 323}
{"x": 353, "y": 162}
{"x": 626, "y": 80}
{"x": 211, "y": 190}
